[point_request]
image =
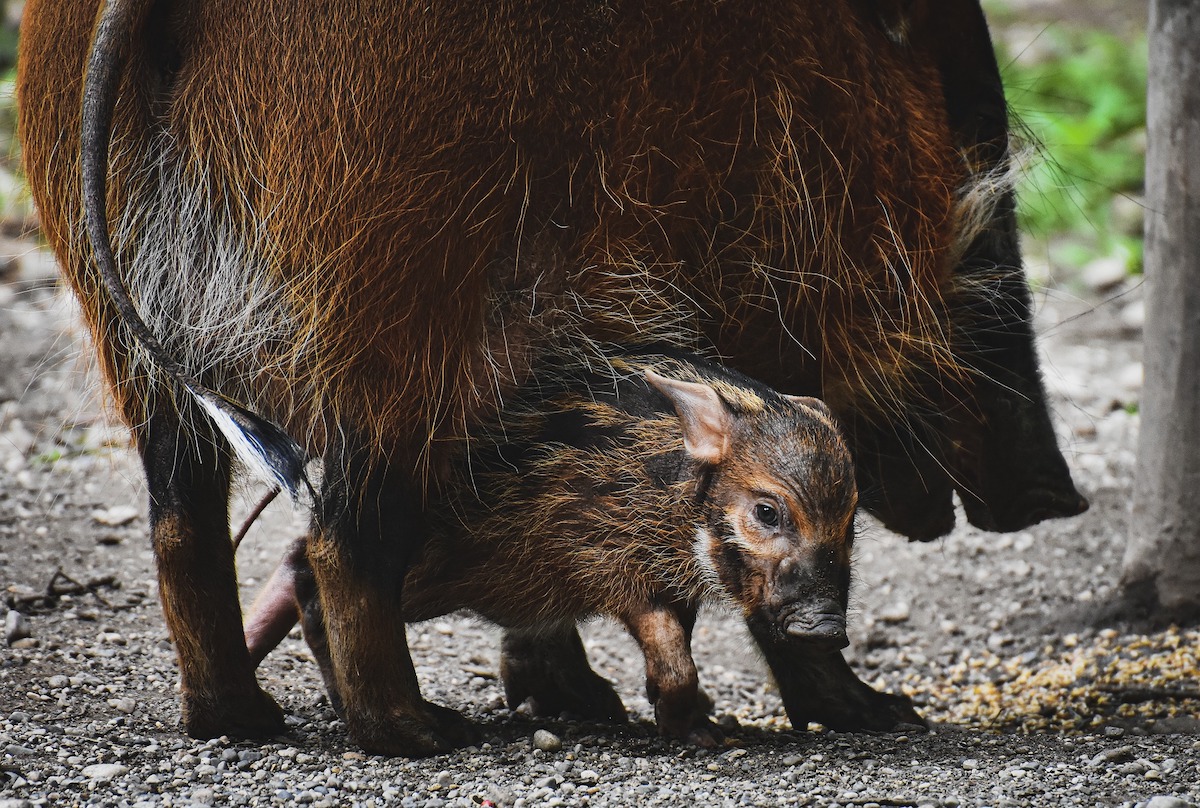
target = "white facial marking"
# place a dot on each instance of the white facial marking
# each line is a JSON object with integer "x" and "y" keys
{"x": 702, "y": 550}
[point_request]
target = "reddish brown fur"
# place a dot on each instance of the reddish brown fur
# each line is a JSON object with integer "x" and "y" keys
{"x": 692, "y": 171}
{"x": 351, "y": 171}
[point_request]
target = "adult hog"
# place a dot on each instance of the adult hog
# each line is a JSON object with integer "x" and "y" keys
{"x": 638, "y": 494}
{"x": 360, "y": 223}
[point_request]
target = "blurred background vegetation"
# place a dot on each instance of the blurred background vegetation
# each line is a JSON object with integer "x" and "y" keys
{"x": 1075, "y": 72}
{"x": 15, "y": 208}
{"x": 1075, "y": 76}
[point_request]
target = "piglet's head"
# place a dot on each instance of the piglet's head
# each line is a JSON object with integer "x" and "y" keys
{"x": 779, "y": 506}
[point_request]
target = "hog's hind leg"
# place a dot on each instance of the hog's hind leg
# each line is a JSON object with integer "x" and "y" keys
{"x": 548, "y": 667}
{"x": 188, "y": 476}
{"x": 368, "y": 528}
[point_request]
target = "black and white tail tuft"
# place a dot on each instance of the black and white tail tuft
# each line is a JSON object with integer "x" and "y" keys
{"x": 259, "y": 443}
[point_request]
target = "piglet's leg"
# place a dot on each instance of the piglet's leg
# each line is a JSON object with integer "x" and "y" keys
{"x": 549, "y": 668}
{"x": 275, "y": 609}
{"x": 819, "y": 686}
{"x": 291, "y": 595}
{"x": 665, "y": 636}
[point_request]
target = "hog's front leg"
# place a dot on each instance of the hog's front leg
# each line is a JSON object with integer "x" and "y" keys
{"x": 672, "y": 685}
{"x": 819, "y": 686}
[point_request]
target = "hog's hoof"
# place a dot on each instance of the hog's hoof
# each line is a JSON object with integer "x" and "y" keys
{"x": 871, "y": 711}
{"x": 552, "y": 688}
{"x": 431, "y": 730}
{"x": 248, "y": 714}
{"x": 886, "y": 712}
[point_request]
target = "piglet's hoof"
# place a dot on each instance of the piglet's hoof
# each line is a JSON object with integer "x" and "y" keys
{"x": 247, "y": 714}
{"x": 590, "y": 697}
{"x": 432, "y": 730}
{"x": 701, "y": 732}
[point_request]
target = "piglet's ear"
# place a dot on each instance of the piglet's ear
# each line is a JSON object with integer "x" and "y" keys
{"x": 812, "y": 403}
{"x": 707, "y": 423}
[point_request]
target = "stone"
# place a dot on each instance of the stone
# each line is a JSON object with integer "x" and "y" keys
{"x": 16, "y": 626}
{"x": 1105, "y": 273}
{"x": 116, "y": 516}
{"x": 1166, "y": 802}
{"x": 1133, "y": 316}
{"x": 546, "y": 741}
{"x": 1131, "y": 377}
{"x": 18, "y": 438}
{"x": 897, "y": 612}
{"x": 1118, "y": 754}
{"x": 104, "y": 771}
{"x": 124, "y": 705}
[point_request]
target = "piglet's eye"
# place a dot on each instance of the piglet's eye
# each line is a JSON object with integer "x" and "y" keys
{"x": 766, "y": 514}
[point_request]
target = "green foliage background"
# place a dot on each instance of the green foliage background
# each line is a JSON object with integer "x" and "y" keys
{"x": 1078, "y": 97}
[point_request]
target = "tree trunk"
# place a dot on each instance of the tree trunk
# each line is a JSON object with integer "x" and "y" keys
{"x": 1162, "y": 561}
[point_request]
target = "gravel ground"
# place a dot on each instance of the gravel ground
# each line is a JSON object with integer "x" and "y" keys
{"x": 987, "y": 632}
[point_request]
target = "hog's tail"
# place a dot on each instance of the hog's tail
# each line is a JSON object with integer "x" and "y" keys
{"x": 264, "y": 446}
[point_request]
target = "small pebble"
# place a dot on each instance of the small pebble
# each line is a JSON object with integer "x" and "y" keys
{"x": 1103, "y": 274}
{"x": 116, "y": 516}
{"x": 897, "y": 612}
{"x": 546, "y": 741}
{"x": 16, "y": 626}
{"x": 104, "y": 771}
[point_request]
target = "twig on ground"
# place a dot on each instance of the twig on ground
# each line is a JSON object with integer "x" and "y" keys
{"x": 254, "y": 514}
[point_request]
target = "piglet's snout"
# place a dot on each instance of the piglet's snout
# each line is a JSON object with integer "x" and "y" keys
{"x": 821, "y": 624}
{"x": 805, "y": 612}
